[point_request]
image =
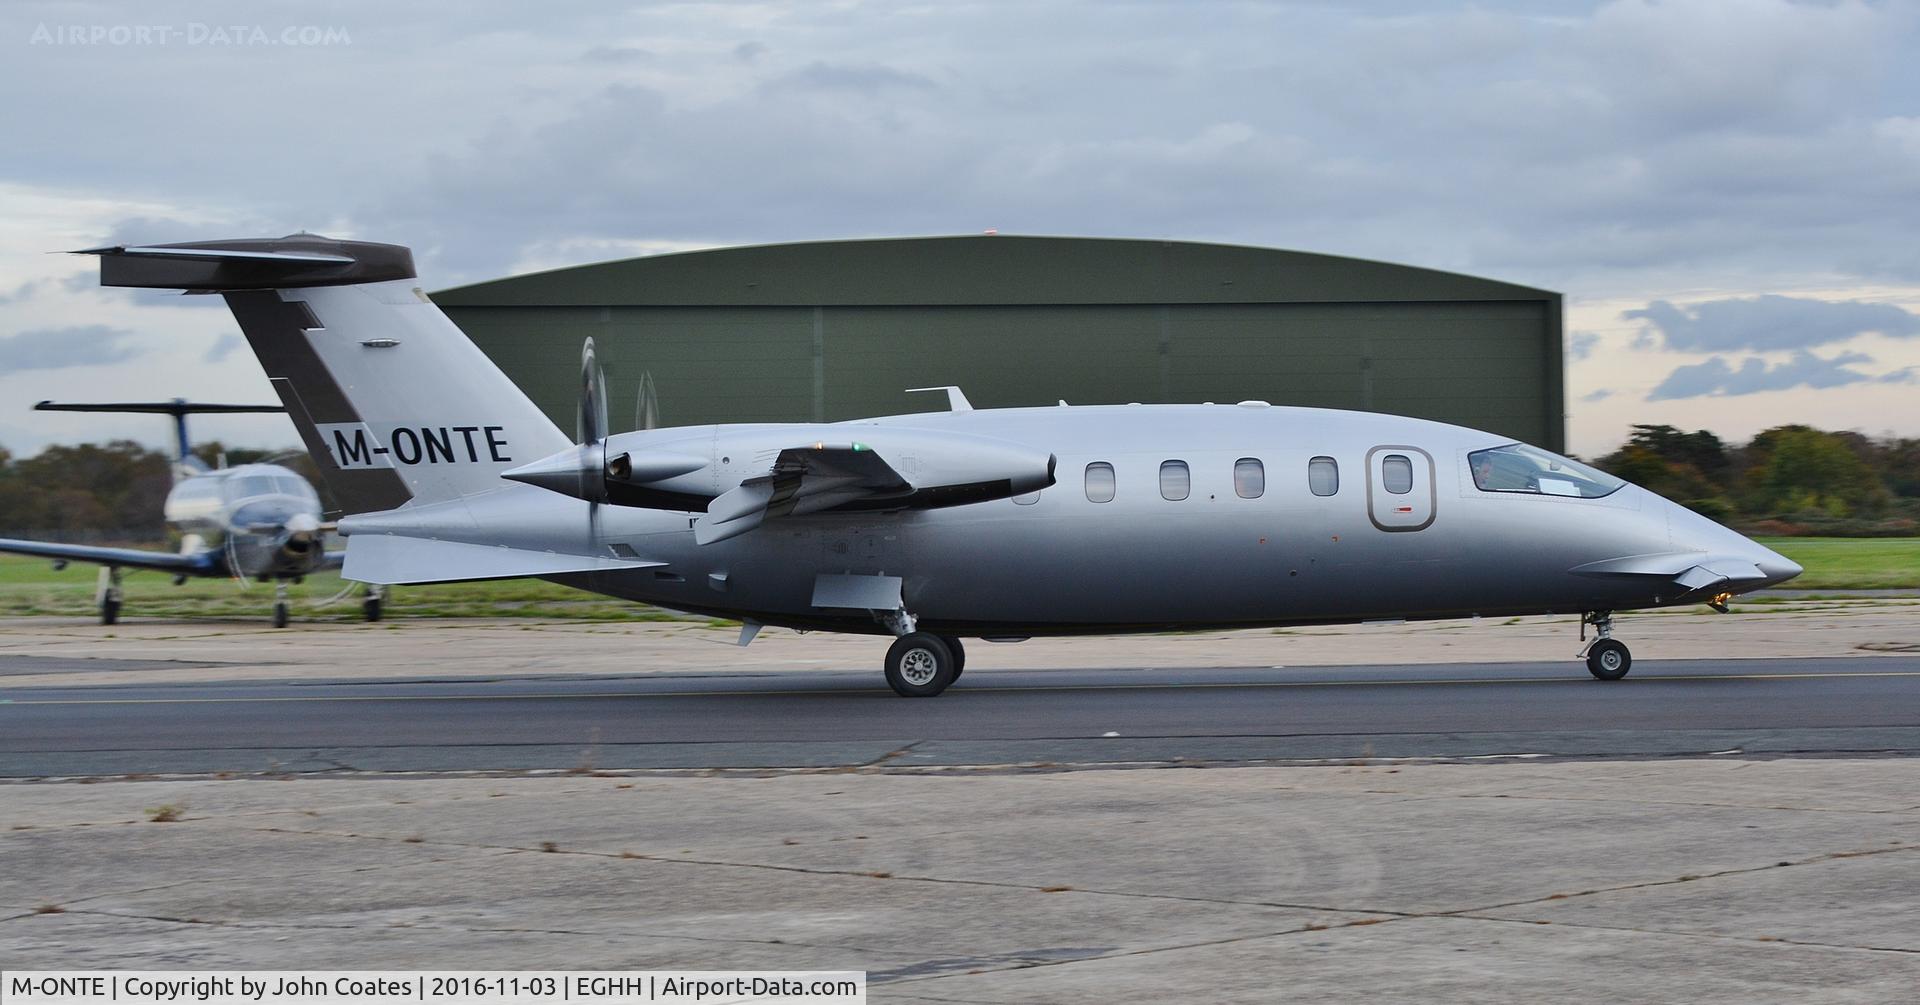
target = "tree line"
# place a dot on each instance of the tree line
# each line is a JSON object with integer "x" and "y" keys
{"x": 1790, "y": 479}
{"x": 110, "y": 491}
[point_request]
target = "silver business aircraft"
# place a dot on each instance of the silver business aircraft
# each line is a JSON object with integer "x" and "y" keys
{"x": 249, "y": 522}
{"x": 998, "y": 524}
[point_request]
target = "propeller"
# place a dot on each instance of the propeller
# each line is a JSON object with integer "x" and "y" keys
{"x": 592, "y": 430}
{"x": 646, "y": 404}
{"x": 583, "y": 470}
{"x": 233, "y": 564}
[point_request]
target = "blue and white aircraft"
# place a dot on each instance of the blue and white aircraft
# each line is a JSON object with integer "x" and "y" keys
{"x": 248, "y": 522}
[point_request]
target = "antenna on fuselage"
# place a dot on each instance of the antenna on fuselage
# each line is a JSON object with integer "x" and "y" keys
{"x": 179, "y": 408}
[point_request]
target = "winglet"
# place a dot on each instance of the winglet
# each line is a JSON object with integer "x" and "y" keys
{"x": 956, "y": 401}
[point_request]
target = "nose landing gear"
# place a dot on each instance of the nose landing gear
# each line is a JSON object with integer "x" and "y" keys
{"x": 1607, "y": 657}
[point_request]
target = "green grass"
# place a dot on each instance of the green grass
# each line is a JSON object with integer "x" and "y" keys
{"x": 1851, "y": 563}
{"x": 31, "y": 586}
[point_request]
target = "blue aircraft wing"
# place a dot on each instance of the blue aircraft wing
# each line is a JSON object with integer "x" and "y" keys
{"x": 202, "y": 564}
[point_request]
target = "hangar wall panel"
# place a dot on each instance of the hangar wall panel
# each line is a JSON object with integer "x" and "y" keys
{"x": 1235, "y": 324}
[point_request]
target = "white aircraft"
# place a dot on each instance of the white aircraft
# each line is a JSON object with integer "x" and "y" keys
{"x": 998, "y": 524}
{"x": 249, "y": 522}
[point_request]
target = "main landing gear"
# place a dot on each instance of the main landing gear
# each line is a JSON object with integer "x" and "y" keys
{"x": 921, "y": 664}
{"x": 107, "y": 594}
{"x": 1607, "y": 657}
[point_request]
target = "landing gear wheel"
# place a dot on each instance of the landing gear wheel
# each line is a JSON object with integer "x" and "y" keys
{"x": 370, "y": 607}
{"x": 919, "y": 665}
{"x": 109, "y": 611}
{"x": 959, "y": 654}
{"x": 280, "y": 612}
{"x": 1609, "y": 659}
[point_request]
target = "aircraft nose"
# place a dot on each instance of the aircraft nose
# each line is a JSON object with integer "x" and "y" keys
{"x": 1777, "y": 567}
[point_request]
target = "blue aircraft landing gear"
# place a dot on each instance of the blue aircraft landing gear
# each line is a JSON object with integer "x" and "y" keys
{"x": 1607, "y": 657}
{"x": 370, "y": 605}
{"x": 107, "y": 594}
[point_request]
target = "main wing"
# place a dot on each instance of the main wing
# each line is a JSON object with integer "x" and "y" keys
{"x": 200, "y": 564}
{"x": 803, "y": 480}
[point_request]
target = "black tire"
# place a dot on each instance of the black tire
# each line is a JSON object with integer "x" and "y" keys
{"x": 109, "y": 611}
{"x": 919, "y": 665}
{"x": 280, "y": 615}
{"x": 370, "y": 607}
{"x": 959, "y": 655}
{"x": 1609, "y": 659}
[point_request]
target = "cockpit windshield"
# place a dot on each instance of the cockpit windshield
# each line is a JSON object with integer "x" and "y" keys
{"x": 1517, "y": 467}
{"x": 248, "y": 486}
{"x": 266, "y": 480}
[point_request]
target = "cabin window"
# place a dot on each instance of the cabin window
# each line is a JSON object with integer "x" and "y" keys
{"x": 1026, "y": 500}
{"x": 1396, "y": 472}
{"x": 1249, "y": 478}
{"x": 1100, "y": 482}
{"x": 1176, "y": 481}
{"x": 1323, "y": 476}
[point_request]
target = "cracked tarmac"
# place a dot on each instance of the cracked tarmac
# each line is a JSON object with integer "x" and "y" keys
{"x": 1698, "y": 880}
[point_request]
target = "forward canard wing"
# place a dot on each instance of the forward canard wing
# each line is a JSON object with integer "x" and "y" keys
{"x": 803, "y": 480}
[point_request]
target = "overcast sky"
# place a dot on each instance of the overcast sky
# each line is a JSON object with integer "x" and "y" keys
{"x": 1727, "y": 192}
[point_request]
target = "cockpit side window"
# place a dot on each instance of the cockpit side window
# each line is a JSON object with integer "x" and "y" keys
{"x": 1518, "y": 467}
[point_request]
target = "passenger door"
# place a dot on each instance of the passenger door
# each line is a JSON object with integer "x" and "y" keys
{"x": 1400, "y": 488}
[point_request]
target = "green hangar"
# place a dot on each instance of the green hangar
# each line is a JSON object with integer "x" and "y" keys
{"x": 831, "y": 330}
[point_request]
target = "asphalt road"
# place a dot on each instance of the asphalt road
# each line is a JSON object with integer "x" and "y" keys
{"x": 825, "y": 719}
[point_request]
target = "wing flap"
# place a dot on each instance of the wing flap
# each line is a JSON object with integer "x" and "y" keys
{"x": 803, "y": 480}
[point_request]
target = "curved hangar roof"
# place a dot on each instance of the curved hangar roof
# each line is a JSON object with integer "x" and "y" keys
{"x": 836, "y": 329}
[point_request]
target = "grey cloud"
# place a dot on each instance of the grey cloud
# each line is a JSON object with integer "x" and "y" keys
{"x": 1754, "y": 375}
{"x": 617, "y": 54}
{"x": 1581, "y": 344}
{"x": 24, "y": 291}
{"x": 1579, "y": 149}
{"x": 1599, "y": 395}
{"x": 1769, "y": 322}
{"x": 865, "y": 79}
{"x": 222, "y": 347}
{"x": 59, "y": 348}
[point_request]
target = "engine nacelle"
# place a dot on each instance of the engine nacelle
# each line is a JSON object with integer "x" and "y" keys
{"x": 685, "y": 469}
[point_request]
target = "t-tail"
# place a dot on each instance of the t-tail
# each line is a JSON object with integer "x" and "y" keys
{"x": 185, "y": 464}
{"x": 394, "y": 402}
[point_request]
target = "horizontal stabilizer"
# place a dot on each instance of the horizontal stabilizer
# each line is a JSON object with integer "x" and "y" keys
{"x": 297, "y": 260}
{"x": 178, "y": 406}
{"x": 391, "y": 560}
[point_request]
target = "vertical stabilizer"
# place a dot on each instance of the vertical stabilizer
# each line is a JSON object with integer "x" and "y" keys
{"x": 393, "y": 401}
